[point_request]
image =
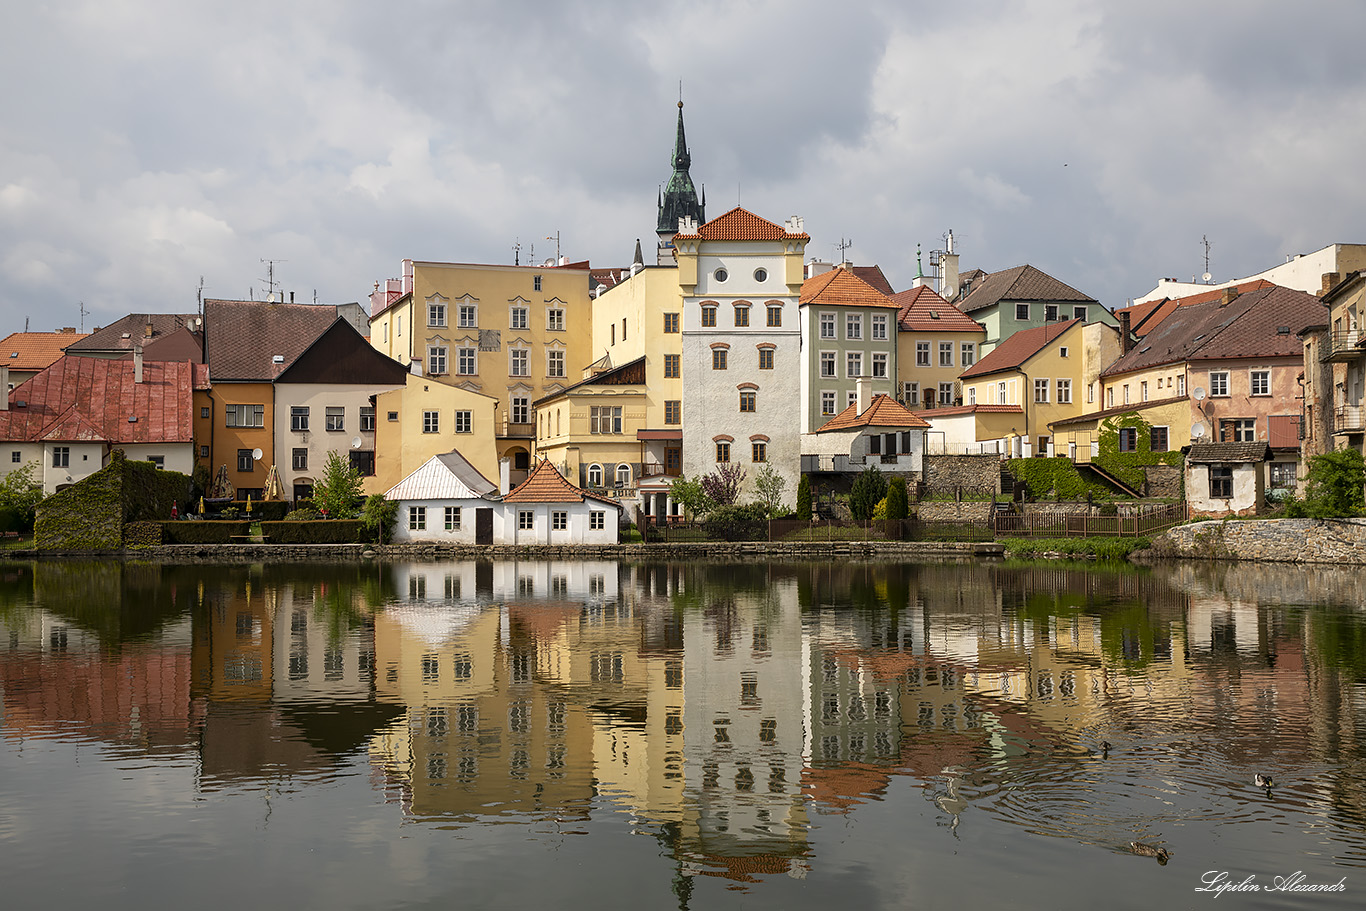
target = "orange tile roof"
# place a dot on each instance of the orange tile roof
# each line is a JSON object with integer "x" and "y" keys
{"x": 922, "y": 310}
{"x": 883, "y": 411}
{"x": 739, "y": 224}
{"x": 842, "y": 287}
{"x": 546, "y": 485}
{"x": 1018, "y": 348}
{"x": 35, "y": 350}
{"x": 956, "y": 410}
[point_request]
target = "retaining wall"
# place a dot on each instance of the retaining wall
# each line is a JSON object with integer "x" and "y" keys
{"x": 1269, "y": 540}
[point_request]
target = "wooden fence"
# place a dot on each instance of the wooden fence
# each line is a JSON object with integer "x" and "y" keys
{"x": 1145, "y": 522}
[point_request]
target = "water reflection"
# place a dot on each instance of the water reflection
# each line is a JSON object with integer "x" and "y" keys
{"x": 731, "y": 711}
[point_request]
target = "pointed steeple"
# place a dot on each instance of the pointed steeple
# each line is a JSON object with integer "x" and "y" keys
{"x": 640, "y": 258}
{"x": 680, "y": 196}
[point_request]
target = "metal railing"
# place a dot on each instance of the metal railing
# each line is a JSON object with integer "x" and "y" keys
{"x": 1347, "y": 418}
{"x": 1146, "y": 521}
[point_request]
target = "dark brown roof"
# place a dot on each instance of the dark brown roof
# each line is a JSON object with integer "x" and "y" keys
{"x": 1022, "y": 283}
{"x": 1018, "y": 348}
{"x": 1249, "y": 327}
{"x": 1143, "y": 317}
{"x": 341, "y": 355}
{"x": 922, "y": 310}
{"x": 127, "y": 333}
{"x": 631, "y": 373}
{"x": 243, "y": 338}
{"x": 1228, "y": 452}
{"x": 873, "y": 276}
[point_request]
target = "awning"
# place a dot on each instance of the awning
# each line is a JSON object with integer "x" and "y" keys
{"x": 659, "y": 435}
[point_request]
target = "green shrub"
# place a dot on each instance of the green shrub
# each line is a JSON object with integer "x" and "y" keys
{"x": 264, "y": 510}
{"x": 322, "y": 531}
{"x": 869, "y": 488}
{"x": 90, "y": 515}
{"x": 201, "y": 532}
{"x": 1333, "y": 487}
{"x": 738, "y": 523}
{"x": 804, "y": 498}
{"x": 302, "y": 514}
{"x": 897, "y": 505}
{"x": 1100, "y": 548}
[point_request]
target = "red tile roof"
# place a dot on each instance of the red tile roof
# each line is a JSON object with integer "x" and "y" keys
{"x": 1018, "y": 348}
{"x": 546, "y": 485}
{"x": 35, "y": 350}
{"x": 242, "y": 338}
{"x": 841, "y": 287}
{"x": 873, "y": 276}
{"x": 956, "y": 410}
{"x": 739, "y": 224}
{"x": 922, "y": 310}
{"x": 88, "y": 398}
{"x": 1022, "y": 283}
{"x": 883, "y": 411}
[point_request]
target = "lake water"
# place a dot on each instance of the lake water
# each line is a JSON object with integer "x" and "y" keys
{"x": 604, "y": 735}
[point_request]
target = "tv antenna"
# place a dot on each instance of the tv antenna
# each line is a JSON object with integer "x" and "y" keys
{"x": 83, "y": 312}
{"x": 556, "y": 238}
{"x": 517, "y": 252}
{"x": 1204, "y": 239}
{"x": 842, "y": 246}
{"x": 270, "y": 276}
{"x": 199, "y": 295}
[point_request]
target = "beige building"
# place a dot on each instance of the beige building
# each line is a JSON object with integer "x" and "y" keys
{"x": 935, "y": 343}
{"x": 427, "y": 417}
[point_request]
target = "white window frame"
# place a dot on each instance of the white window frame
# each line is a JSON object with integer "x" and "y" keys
{"x": 946, "y": 354}
{"x": 559, "y": 520}
{"x": 1260, "y": 377}
{"x": 519, "y": 317}
{"x": 436, "y": 313}
{"x": 968, "y": 354}
{"x": 431, "y": 421}
{"x": 334, "y": 418}
{"x": 526, "y": 520}
{"x": 1064, "y": 392}
{"x": 1221, "y": 390}
{"x": 464, "y": 421}
{"x": 554, "y": 319}
{"x": 417, "y": 518}
{"x": 829, "y": 364}
{"x": 878, "y": 327}
{"x": 1040, "y": 392}
{"x": 828, "y": 402}
{"x": 452, "y": 518}
{"x": 468, "y": 315}
{"x": 554, "y": 362}
{"x": 910, "y": 393}
{"x": 853, "y": 364}
{"x": 827, "y": 325}
{"x": 467, "y": 361}
{"x": 438, "y": 360}
{"x": 519, "y": 361}
{"x": 597, "y": 520}
{"x": 922, "y": 354}
{"x": 879, "y": 365}
{"x": 853, "y": 327}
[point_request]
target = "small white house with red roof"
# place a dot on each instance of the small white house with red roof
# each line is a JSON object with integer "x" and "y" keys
{"x": 879, "y": 432}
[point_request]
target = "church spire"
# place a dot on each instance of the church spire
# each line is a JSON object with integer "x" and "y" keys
{"x": 679, "y": 198}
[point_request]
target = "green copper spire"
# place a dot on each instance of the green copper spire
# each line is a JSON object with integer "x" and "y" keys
{"x": 918, "y": 272}
{"x": 680, "y": 197}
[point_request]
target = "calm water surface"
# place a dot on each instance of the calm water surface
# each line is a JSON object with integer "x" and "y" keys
{"x": 570, "y": 734}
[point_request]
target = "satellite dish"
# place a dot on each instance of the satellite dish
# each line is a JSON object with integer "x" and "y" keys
{"x": 256, "y": 454}
{"x": 1197, "y": 431}
{"x": 1207, "y": 277}
{"x": 1199, "y": 394}
{"x": 355, "y": 442}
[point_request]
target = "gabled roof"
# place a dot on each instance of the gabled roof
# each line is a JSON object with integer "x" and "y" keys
{"x": 1022, "y": 283}
{"x": 127, "y": 333}
{"x": 840, "y": 287}
{"x": 882, "y": 411}
{"x": 1250, "y": 326}
{"x": 953, "y": 411}
{"x": 448, "y": 476}
{"x": 243, "y": 338}
{"x": 922, "y": 310}
{"x": 739, "y": 224}
{"x": 631, "y": 373}
{"x": 35, "y": 350}
{"x": 1104, "y": 413}
{"x": 1228, "y": 452}
{"x": 89, "y": 398}
{"x": 1145, "y": 316}
{"x": 341, "y": 355}
{"x": 873, "y": 276}
{"x": 546, "y": 485}
{"x": 1018, "y": 348}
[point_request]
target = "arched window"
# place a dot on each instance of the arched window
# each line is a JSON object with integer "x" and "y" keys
{"x": 624, "y": 475}
{"x": 594, "y": 475}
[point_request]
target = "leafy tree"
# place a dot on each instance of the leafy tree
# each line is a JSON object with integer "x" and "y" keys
{"x": 897, "y": 506}
{"x": 689, "y": 494}
{"x": 769, "y": 487}
{"x": 378, "y": 517}
{"x": 1333, "y": 487}
{"x": 804, "y": 498}
{"x": 722, "y": 486}
{"x": 339, "y": 491}
{"x": 20, "y": 495}
{"x": 869, "y": 488}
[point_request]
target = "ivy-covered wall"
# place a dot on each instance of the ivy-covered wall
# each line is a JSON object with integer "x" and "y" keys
{"x": 90, "y": 515}
{"x": 1056, "y": 479}
{"x": 1128, "y": 466}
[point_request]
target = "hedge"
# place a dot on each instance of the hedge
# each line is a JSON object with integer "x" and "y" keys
{"x": 91, "y": 514}
{"x": 219, "y": 532}
{"x": 318, "y": 531}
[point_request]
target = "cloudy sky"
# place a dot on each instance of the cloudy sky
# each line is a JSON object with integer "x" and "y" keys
{"x": 145, "y": 144}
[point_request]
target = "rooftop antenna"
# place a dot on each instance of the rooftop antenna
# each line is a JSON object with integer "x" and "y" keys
{"x": 199, "y": 295}
{"x": 517, "y": 252}
{"x": 842, "y": 246}
{"x": 555, "y": 238}
{"x": 270, "y": 276}
{"x": 1204, "y": 239}
{"x": 83, "y": 312}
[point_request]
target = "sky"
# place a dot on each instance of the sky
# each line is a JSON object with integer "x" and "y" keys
{"x": 149, "y": 145}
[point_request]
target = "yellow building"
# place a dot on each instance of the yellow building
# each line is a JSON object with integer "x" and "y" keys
{"x": 935, "y": 343}
{"x": 426, "y": 418}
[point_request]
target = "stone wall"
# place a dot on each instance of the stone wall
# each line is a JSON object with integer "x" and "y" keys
{"x": 1164, "y": 481}
{"x": 949, "y": 511}
{"x": 944, "y": 471}
{"x": 1269, "y": 540}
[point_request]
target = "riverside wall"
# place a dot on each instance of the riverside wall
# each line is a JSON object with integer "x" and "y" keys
{"x": 1268, "y": 541}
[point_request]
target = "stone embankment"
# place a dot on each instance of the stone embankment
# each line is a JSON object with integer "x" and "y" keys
{"x": 1268, "y": 540}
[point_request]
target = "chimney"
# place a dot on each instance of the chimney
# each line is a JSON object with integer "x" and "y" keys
{"x": 1126, "y": 339}
{"x": 4, "y": 387}
{"x": 504, "y": 476}
{"x": 137, "y": 363}
{"x": 1228, "y": 296}
{"x": 948, "y": 271}
{"x": 147, "y": 331}
{"x": 69, "y": 330}
{"x": 1330, "y": 281}
{"x": 861, "y": 394}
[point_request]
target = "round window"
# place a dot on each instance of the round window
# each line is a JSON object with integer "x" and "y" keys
{"x": 721, "y": 275}
{"x": 761, "y": 275}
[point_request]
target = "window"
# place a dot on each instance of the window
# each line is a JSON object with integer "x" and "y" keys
{"x": 708, "y": 316}
{"x": 469, "y": 316}
{"x": 761, "y": 275}
{"x": 910, "y": 393}
{"x": 946, "y": 394}
{"x": 300, "y": 460}
{"x": 922, "y": 354}
{"x": 827, "y": 363}
{"x": 1218, "y": 382}
{"x": 393, "y": 415}
{"x": 718, "y": 358}
{"x": 1110, "y": 397}
{"x": 431, "y": 422}
{"x": 1041, "y": 391}
{"x": 436, "y": 360}
{"x": 946, "y": 354}
{"x": 1261, "y": 382}
{"x": 559, "y": 520}
{"x": 1064, "y": 392}
{"x": 673, "y": 412}
{"x": 597, "y": 520}
{"x": 722, "y": 451}
{"x": 554, "y": 319}
{"x": 1282, "y": 475}
{"x": 1001, "y": 394}
{"x": 742, "y": 316}
{"x": 61, "y": 456}
{"x": 466, "y": 361}
{"x": 759, "y": 451}
{"x": 1157, "y": 439}
{"x": 853, "y": 325}
{"x": 594, "y": 475}
{"x": 765, "y": 358}
{"x": 624, "y": 475}
{"x": 526, "y": 519}
{"x": 452, "y": 518}
{"x": 417, "y": 518}
{"x": 853, "y": 363}
{"x": 1062, "y": 351}
{"x": 670, "y": 323}
{"x": 363, "y": 460}
{"x": 203, "y": 411}
{"x": 775, "y": 315}
{"x": 721, "y": 275}
{"x": 1240, "y": 430}
{"x": 878, "y": 326}
{"x": 520, "y": 364}
{"x": 436, "y": 313}
{"x": 1220, "y": 482}
{"x": 244, "y": 460}
{"x": 554, "y": 365}
{"x": 969, "y": 354}
{"x": 1079, "y": 313}
{"x": 1143, "y": 391}
{"x": 827, "y": 403}
{"x": 367, "y": 418}
{"x": 673, "y": 366}
{"x": 1126, "y": 393}
{"x": 244, "y": 415}
{"x": 604, "y": 419}
{"x": 521, "y": 409}
{"x": 1128, "y": 439}
{"x": 519, "y": 318}
{"x": 1022, "y": 312}
{"x": 14, "y": 456}
{"x": 850, "y": 397}
{"x": 748, "y": 400}
{"x": 879, "y": 364}
{"x": 1181, "y": 384}
{"x": 1050, "y": 313}
{"x": 335, "y": 417}
{"x": 972, "y": 395}
{"x": 827, "y": 325}
{"x": 464, "y": 422}
{"x": 535, "y": 283}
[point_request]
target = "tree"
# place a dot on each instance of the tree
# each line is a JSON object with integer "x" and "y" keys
{"x": 20, "y": 495}
{"x": 339, "y": 491}
{"x": 688, "y": 493}
{"x": 869, "y": 488}
{"x": 722, "y": 486}
{"x": 1333, "y": 487}
{"x": 768, "y": 488}
{"x": 897, "y": 507}
{"x": 378, "y": 517}
{"x": 804, "y": 498}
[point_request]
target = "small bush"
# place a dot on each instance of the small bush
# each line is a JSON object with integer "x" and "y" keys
{"x": 738, "y": 523}
{"x": 322, "y": 531}
{"x": 302, "y": 514}
{"x": 1100, "y": 548}
{"x": 203, "y": 532}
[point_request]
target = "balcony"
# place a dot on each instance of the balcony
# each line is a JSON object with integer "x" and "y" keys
{"x": 656, "y": 470}
{"x": 515, "y": 430}
{"x": 1349, "y": 419}
{"x": 1343, "y": 345}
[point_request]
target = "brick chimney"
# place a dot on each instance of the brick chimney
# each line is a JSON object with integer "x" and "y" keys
{"x": 147, "y": 331}
{"x": 1330, "y": 281}
{"x": 1126, "y": 339}
{"x": 1228, "y": 296}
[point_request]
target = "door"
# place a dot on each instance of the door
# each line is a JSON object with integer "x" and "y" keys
{"x": 483, "y": 526}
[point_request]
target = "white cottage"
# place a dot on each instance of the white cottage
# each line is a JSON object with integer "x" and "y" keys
{"x": 1226, "y": 478}
{"x": 446, "y": 500}
{"x": 881, "y": 432}
{"x": 547, "y": 509}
